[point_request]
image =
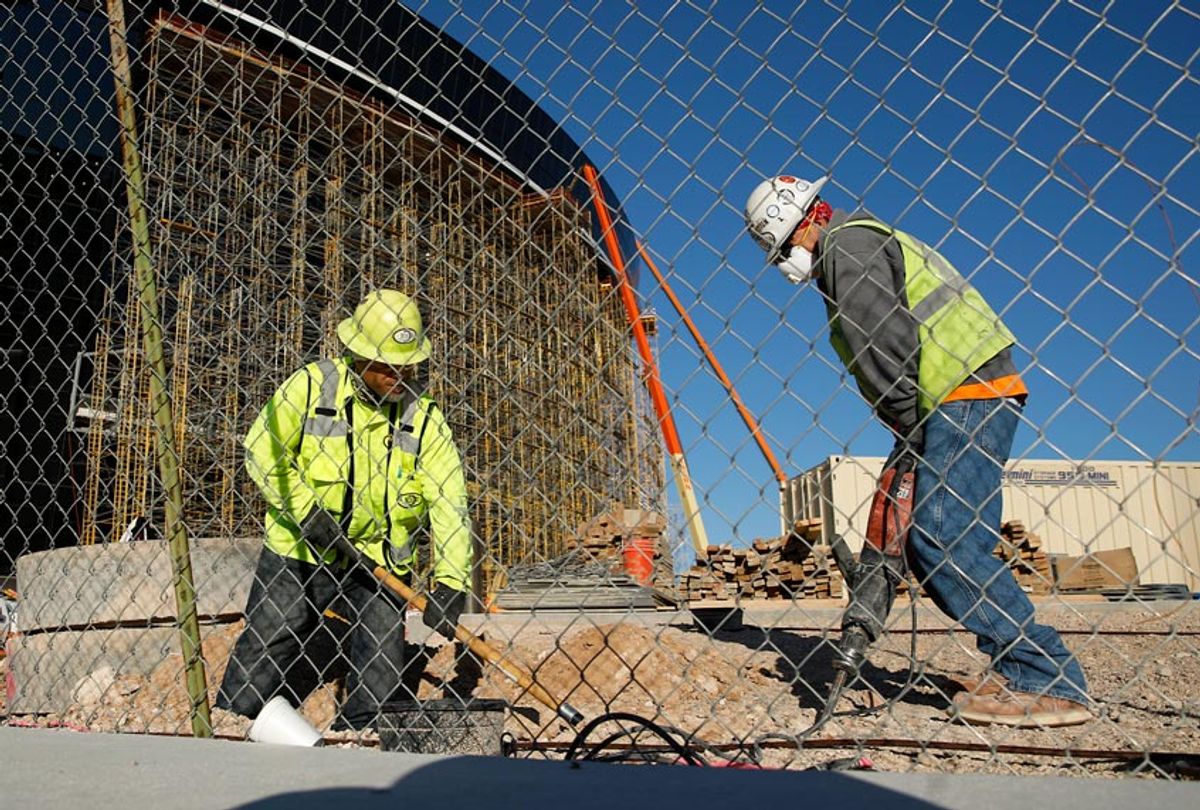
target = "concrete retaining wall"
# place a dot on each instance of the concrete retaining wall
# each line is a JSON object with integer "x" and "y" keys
{"x": 117, "y": 584}
{"x": 110, "y": 609}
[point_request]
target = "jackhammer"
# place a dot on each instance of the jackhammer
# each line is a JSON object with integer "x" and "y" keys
{"x": 872, "y": 580}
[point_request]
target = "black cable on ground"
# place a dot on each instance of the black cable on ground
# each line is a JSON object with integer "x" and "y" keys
{"x": 686, "y": 746}
{"x": 593, "y": 753}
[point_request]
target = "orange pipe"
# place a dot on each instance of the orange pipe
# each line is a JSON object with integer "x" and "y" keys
{"x": 650, "y": 368}
{"x": 683, "y": 479}
{"x": 743, "y": 411}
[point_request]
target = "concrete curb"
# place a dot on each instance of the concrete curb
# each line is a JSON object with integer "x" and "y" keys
{"x": 63, "y": 769}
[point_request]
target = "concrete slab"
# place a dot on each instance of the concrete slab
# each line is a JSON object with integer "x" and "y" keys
{"x": 41, "y": 768}
{"x": 130, "y": 583}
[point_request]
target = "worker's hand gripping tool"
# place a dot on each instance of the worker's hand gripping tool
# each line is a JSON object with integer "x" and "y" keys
{"x": 873, "y": 579}
{"x": 445, "y": 615}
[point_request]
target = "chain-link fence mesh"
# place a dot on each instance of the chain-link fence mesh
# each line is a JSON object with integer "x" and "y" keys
{"x": 632, "y": 442}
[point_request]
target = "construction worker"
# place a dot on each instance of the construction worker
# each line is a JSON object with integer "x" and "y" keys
{"x": 351, "y": 446}
{"x": 935, "y": 363}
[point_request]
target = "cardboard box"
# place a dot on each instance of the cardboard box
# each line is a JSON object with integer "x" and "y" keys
{"x": 1115, "y": 568}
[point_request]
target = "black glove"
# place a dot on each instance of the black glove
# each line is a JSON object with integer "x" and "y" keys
{"x": 320, "y": 530}
{"x": 443, "y": 607}
{"x": 906, "y": 449}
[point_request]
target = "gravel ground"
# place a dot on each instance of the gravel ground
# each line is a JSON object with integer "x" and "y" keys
{"x": 736, "y": 686}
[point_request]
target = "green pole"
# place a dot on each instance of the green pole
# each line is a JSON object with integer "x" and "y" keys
{"x": 152, "y": 342}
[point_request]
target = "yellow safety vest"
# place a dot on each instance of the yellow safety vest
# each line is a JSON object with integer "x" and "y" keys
{"x": 957, "y": 330}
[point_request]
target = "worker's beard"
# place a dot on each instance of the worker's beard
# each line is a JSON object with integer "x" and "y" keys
{"x": 404, "y": 391}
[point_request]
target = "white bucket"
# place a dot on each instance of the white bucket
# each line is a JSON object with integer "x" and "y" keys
{"x": 279, "y": 723}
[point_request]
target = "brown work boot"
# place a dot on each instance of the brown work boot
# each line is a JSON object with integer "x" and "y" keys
{"x": 1020, "y": 709}
{"x": 989, "y": 683}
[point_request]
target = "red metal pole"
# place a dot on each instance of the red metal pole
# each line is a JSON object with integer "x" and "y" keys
{"x": 742, "y": 410}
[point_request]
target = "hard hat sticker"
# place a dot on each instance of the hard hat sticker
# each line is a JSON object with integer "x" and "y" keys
{"x": 405, "y": 335}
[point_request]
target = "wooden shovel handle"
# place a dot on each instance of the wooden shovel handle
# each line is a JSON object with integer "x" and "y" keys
{"x": 482, "y": 649}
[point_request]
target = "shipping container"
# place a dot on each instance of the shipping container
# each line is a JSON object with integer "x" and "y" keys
{"x": 1075, "y": 507}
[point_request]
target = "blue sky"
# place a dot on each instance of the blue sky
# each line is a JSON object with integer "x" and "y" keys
{"x": 1052, "y": 157}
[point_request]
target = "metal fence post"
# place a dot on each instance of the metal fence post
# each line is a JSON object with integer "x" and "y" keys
{"x": 152, "y": 341}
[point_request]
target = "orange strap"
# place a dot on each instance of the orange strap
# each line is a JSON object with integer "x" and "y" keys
{"x": 1010, "y": 386}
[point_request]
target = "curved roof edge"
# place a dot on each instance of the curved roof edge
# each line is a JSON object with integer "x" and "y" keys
{"x": 391, "y": 53}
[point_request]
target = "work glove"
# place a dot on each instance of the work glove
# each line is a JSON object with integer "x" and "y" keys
{"x": 320, "y": 530}
{"x": 443, "y": 607}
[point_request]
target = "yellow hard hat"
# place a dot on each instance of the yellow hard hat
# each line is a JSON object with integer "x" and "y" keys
{"x": 386, "y": 327}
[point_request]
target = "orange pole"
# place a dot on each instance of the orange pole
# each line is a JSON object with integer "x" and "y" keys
{"x": 743, "y": 411}
{"x": 683, "y": 481}
{"x": 650, "y": 368}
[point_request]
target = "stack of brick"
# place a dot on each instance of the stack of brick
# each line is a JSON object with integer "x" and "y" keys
{"x": 794, "y": 566}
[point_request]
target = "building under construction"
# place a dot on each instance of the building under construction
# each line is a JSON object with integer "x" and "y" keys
{"x": 281, "y": 189}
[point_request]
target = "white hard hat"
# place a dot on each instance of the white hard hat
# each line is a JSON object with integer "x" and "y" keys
{"x": 775, "y": 208}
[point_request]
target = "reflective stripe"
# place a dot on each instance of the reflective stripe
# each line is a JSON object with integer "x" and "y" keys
{"x": 329, "y": 384}
{"x": 325, "y": 421}
{"x": 399, "y": 557}
{"x": 952, "y": 286}
{"x": 404, "y": 436}
{"x": 937, "y": 298}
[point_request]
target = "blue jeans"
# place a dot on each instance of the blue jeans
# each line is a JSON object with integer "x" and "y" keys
{"x": 956, "y": 523}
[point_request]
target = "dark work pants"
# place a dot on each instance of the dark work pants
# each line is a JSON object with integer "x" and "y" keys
{"x": 284, "y": 611}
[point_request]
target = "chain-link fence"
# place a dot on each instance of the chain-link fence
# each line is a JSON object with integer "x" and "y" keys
{"x": 458, "y": 300}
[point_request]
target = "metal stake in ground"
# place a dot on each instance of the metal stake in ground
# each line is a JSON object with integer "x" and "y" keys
{"x": 486, "y": 651}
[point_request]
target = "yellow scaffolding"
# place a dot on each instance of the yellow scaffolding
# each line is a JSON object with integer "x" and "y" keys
{"x": 280, "y": 199}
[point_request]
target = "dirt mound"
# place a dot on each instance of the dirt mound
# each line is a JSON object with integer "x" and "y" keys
{"x": 664, "y": 674}
{"x": 737, "y": 686}
{"x": 156, "y": 703}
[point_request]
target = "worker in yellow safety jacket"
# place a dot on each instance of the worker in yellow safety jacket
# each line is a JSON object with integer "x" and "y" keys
{"x": 351, "y": 447}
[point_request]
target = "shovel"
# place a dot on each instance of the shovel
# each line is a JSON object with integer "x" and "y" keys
{"x": 515, "y": 672}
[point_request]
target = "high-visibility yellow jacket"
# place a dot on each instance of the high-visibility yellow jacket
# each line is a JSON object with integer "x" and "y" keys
{"x": 381, "y": 470}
